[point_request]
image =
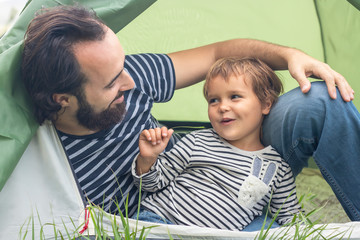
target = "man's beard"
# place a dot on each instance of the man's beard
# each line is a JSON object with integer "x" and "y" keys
{"x": 88, "y": 118}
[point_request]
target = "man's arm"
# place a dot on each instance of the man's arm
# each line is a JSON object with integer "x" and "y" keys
{"x": 192, "y": 65}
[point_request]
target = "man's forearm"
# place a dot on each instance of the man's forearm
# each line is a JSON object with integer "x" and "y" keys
{"x": 274, "y": 55}
{"x": 192, "y": 65}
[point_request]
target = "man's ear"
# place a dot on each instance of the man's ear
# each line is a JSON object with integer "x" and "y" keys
{"x": 62, "y": 98}
{"x": 266, "y": 107}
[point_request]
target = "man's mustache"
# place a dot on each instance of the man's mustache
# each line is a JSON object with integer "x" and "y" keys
{"x": 117, "y": 97}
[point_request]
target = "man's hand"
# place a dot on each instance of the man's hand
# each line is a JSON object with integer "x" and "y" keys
{"x": 302, "y": 66}
{"x": 151, "y": 143}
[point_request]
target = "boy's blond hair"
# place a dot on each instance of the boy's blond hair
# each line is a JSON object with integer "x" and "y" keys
{"x": 265, "y": 83}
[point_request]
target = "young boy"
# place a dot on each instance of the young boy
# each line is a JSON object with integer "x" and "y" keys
{"x": 221, "y": 177}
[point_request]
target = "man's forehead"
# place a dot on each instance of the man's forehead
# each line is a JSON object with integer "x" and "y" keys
{"x": 101, "y": 60}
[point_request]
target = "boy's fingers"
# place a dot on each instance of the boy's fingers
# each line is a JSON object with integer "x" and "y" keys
{"x": 164, "y": 131}
{"x": 146, "y": 134}
{"x": 168, "y": 136}
{"x": 157, "y": 135}
{"x": 170, "y": 132}
{"x": 152, "y": 136}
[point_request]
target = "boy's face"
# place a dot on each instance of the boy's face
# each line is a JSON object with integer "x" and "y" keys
{"x": 235, "y": 112}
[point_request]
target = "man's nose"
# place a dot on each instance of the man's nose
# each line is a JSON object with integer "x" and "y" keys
{"x": 128, "y": 82}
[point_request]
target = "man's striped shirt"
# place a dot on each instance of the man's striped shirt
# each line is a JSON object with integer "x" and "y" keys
{"x": 205, "y": 181}
{"x": 101, "y": 162}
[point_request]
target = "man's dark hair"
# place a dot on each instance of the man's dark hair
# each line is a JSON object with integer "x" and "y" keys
{"x": 48, "y": 64}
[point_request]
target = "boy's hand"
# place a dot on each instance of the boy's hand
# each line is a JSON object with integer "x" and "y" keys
{"x": 151, "y": 143}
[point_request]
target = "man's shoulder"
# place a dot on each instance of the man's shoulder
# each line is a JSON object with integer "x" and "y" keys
{"x": 147, "y": 57}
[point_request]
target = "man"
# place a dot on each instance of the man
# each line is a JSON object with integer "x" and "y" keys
{"x": 99, "y": 100}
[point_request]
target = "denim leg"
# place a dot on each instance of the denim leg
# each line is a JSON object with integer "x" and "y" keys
{"x": 148, "y": 216}
{"x": 258, "y": 222}
{"x": 303, "y": 125}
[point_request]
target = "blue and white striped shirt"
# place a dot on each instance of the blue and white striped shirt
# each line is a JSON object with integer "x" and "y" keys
{"x": 101, "y": 162}
{"x": 205, "y": 181}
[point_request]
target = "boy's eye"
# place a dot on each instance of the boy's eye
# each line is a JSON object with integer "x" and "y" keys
{"x": 213, "y": 100}
{"x": 235, "y": 96}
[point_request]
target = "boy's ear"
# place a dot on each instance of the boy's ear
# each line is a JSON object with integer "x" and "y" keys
{"x": 266, "y": 107}
{"x": 62, "y": 98}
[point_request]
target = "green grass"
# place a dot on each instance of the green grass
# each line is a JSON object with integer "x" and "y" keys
{"x": 107, "y": 226}
{"x": 301, "y": 226}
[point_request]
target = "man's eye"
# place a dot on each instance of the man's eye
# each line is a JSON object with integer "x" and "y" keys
{"x": 110, "y": 85}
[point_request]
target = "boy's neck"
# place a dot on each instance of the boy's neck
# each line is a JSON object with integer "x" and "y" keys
{"x": 248, "y": 144}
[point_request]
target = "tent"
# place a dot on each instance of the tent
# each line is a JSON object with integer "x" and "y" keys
{"x": 36, "y": 183}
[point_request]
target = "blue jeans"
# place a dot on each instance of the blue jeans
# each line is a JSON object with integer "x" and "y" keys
{"x": 303, "y": 125}
{"x": 258, "y": 222}
{"x": 148, "y": 216}
{"x": 255, "y": 225}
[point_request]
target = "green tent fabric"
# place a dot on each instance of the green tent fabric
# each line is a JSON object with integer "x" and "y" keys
{"x": 325, "y": 29}
{"x": 356, "y": 3}
{"x": 17, "y": 123}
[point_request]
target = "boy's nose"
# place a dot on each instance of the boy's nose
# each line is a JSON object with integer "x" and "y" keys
{"x": 224, "y": 107}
